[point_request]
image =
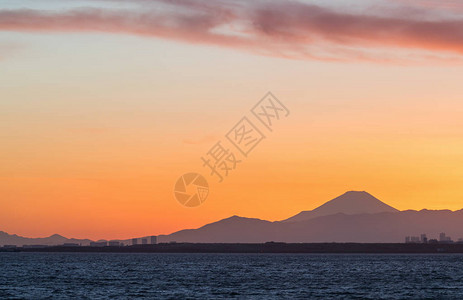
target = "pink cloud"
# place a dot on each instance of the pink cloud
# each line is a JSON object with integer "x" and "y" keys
{"x": 454, "y": 5}
{"x": 287, "y": 29}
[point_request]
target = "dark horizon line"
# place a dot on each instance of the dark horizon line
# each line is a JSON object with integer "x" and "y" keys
{"x": 256, "y": 248}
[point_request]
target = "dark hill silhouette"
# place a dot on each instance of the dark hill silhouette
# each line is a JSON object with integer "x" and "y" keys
{"x": 386, "y": 227}
{"x": 350, "y": 203}
{"x": 232, "y": 230}
{"x": 351, "y": 217}
{"x": 56, "y": 239}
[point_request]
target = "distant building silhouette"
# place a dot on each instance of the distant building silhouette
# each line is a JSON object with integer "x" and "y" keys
{"x": 424, "y": 238}
{"x": 444, "y": 239}
{"x": 154, "y": 240}
{"x": 134, "y": 241}
{"x": 144, "y": 241}
{"x": 415, "y": 239}
{"x": 114, "y": 243}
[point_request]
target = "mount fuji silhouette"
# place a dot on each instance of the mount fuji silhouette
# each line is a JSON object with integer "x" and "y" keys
{"x": 351, "y": 217}
{"x": 350, "y": 203}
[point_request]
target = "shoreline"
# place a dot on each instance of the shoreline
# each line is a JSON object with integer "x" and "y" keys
{"x": 271, "y": 247}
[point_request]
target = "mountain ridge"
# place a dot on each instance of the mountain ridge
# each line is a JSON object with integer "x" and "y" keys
{"x": 384, "y": 227}
{"x": 338, "y": 220}
{"x": 351, "y": 202}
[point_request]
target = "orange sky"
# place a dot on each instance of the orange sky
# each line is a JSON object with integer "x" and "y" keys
{"x": 96, "y": 127}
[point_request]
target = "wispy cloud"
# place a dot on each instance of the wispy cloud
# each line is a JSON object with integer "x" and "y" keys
{"x": 454, "y": 5}
{"x": 288, "y": 29}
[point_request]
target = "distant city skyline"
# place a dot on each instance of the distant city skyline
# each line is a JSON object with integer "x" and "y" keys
{"x": 423, "y": 239}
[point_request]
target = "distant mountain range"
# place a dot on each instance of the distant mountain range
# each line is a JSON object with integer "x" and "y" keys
{"x": 351, "y": 217}
{"x": 56, "y": 239}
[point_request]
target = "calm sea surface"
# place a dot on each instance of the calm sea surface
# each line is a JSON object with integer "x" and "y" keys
{"x": 212, "y": 276}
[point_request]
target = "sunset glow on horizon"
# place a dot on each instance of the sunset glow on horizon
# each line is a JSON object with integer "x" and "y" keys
{"x": 105, "y": 104}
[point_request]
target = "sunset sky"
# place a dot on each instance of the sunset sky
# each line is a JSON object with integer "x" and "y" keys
{"x": 104, "y": 104}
